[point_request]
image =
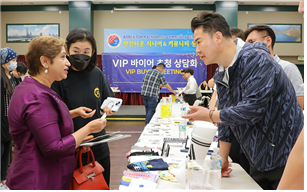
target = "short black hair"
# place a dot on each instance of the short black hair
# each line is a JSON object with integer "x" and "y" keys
{"x": 237, "y": 32}
{"x": 80, "y": 34}
{"x": 161, "y": 65}
{"x": 211, "y": 23}
{"x": 188, "y": 70}
{"x": 155, "y": 66}
{"x": 21, "y": 68}
{"x": 261, "y": 28}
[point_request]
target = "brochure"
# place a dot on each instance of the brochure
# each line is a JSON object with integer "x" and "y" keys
{"x": 104, "y": 138}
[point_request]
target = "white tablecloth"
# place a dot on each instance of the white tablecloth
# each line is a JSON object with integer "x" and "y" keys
{"x": 238, "y": 179}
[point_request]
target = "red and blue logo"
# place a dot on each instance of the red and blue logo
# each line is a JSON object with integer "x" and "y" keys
{"x": 114, "y": 40}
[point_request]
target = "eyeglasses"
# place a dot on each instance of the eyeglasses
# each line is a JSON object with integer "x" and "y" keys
{"x": 255, "y": 40}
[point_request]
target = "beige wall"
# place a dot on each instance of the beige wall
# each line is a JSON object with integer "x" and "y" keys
{"x": 155, "y": 20}
{"x": 292, "y": 59}
{"x": 282, "y": 49}
{"x": 32, "y": 17}
{"x": 139, "y": 20}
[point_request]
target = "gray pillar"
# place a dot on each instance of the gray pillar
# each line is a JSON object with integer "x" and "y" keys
{"x": 229, "y": 10}
{"x": 80, "y": 15}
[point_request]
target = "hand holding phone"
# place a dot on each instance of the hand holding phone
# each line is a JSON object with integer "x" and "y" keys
{"x": 112, "y": 103}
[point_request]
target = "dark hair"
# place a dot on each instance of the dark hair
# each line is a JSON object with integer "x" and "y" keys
{"x": 80, "y": 34}
{"x": 211, "y": 23}
{"x": 261, "y": 28}
{"x": 161, "y": 65}
{"x": 188, "y": 70}
{"x": 237, "y": 32}
{"x": 6, "y": 82}
{"x": 42, "y": 46}
{"x": 21, "y": 68}
{"x": 155, "y": 66}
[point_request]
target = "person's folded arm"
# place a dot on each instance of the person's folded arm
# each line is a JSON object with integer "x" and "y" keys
{"x": 257, "y": 87}
{"x": 43, "y": 121}
{"x": 293, "y": 175}
{"x": 300, "y": 100}
{"x": 213, "y": 99}
{"x": 225, "y": 138}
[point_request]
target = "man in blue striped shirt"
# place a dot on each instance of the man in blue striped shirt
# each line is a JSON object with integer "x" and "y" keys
{"x": 257, "y": 101}
{"x": 150, "y": 90}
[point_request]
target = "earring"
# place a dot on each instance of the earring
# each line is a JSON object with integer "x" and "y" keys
{"x": 46, "y": 70}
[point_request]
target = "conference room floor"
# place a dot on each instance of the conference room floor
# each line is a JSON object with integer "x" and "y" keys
{"x": 118, "y": 149}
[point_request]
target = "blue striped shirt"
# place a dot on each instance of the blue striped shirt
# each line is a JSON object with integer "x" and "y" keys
{"x": 259, "y": 107}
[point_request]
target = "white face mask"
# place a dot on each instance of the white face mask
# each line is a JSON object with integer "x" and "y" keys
{"x": 13, "y": 66}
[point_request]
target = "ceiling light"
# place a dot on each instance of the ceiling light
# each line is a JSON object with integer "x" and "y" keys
{"x": 59, "y": 9}
{"x": 152, "y": 9}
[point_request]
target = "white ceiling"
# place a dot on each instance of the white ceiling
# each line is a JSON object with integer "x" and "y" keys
{"x": 60, "y": 2}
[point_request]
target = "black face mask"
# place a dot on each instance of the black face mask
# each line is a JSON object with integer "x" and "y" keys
{"x": 79, "y": 61}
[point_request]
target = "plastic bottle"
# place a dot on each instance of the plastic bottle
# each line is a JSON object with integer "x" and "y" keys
{"x": 182, "y": 128}
{"x": 183, "y": 109}
{"x": 216, "y": 155}
{"x": 214, "y": 173}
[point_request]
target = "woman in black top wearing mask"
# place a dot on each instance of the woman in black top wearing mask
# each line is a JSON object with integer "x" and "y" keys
{"x": 85, "y": 85}
{"x": 8, "y": 60}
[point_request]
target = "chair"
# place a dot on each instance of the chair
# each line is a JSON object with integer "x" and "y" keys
{"x": 205, "y": 100}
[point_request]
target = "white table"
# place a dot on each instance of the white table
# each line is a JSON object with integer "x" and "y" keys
{"x": 238, "y": 179}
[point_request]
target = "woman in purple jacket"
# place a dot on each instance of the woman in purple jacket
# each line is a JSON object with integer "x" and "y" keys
{"x": 41, "y": 124}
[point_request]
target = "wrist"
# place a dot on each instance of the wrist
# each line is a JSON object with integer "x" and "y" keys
{"x": 211, "y": 115}
{"x": 224, "y": 159}
{"x": 73, "y": 113}
{"x": 104, "y": 110}
{"x": 87, "y": 129}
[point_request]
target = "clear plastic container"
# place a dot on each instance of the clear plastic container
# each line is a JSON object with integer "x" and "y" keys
{"x": 196, "y": 176}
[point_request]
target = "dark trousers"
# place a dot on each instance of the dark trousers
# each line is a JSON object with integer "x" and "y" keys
{"x": 237, "y": 155}
{"x": 5, "y": 154}
{"x": 150, "y": 107}
{"x": 106, "y": 164}
{"x": 189, "y": 98}
{"x": 268, "y": 180}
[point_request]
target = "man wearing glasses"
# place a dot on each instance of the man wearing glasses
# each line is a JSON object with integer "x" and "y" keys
{"x": 263, "y": 33}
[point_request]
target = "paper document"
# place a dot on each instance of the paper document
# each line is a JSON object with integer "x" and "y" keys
{"x": 104, "y": 138}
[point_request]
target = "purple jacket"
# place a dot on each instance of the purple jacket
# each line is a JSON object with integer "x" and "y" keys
{"x": 41, "y": 127}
